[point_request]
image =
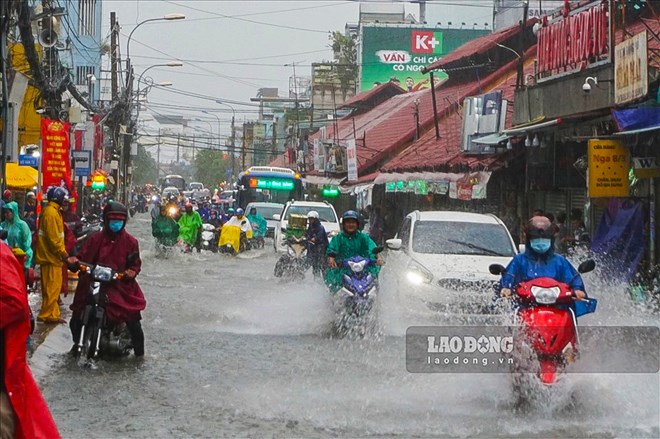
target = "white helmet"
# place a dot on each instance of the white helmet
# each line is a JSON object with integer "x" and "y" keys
{"x": 312, "y": 214}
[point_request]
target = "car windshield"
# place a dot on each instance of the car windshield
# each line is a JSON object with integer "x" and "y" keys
{"x": 461, "y": 238}
{"x": 266, "y": 211}
{"x": 326, "y": 214}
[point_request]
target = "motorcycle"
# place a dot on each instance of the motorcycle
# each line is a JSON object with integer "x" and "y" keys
{"x": 97, "y": 335}
{"x": 293, "y": 264}
{"x": 358, "y": 292}
{"x": 209, "y": 238}
{"x": 257, "y": 240}
{"x": 548, "y": 325}
{"x": 234, "y": 240}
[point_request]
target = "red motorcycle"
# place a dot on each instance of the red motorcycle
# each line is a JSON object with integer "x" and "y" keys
{"x": 548, "y": 319}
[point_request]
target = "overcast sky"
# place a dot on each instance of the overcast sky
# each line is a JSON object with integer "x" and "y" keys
{"x": 232, "y": 48}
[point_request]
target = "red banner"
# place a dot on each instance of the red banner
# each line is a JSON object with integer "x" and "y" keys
{"x": 55, "y": 167}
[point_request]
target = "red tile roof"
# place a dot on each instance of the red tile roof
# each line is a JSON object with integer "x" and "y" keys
{"x": 478, "y": 46}
{"x": 376, "y": 95}
{"x": 430, "y": 154}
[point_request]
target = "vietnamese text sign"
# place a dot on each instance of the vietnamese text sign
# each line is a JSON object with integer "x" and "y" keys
{"x": 401, "y": 51}
{"x": 82, "y": 162}
{"x": 609, "y": 164}
{"x": 351, "y": 159}
{"x": 631, "y": 77}
{"x": 28, "y": 160}
{"x": 56, "y": 170}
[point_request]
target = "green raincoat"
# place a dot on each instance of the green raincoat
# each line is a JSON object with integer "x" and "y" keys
{"x": 18, "y": 232}
{"x": 262, "y": 225}
{"x": 165, "y": 230}
{"x": 189, "y": 226}
{"x": 347, "y": 246}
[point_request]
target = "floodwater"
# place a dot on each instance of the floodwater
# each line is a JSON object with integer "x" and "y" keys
{"x": 232, "y": 351}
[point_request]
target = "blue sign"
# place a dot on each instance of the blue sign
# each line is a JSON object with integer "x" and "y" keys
{"x": 28, "y": 160}
{"x": 82, "y": 162}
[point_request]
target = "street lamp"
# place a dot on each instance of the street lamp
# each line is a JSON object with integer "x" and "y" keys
{"x": 233, "y": 136}
{"x": 167, "y": 64}
{"x": 216, "y": 116}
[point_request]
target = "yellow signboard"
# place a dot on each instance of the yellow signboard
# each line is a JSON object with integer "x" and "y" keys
{"x": 609, "y": 164}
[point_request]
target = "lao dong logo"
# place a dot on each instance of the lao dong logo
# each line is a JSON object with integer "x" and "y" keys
{"x": 468, "y": 344}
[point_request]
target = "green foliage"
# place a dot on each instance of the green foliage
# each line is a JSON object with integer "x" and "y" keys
{"x": 345, "y": 54}
{"x": 211, "y": 166}
{"x": 145, "y": 169}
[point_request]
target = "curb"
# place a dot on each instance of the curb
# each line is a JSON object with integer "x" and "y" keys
{"x": 56, "y": 342}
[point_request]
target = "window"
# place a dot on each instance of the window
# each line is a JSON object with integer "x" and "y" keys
{"x": 404, "y": 233}
{"x": 326, "y": 214}
{"x": 87, "y": 17}
{"x": 81, "y": 74}
{"x": 461, "y": 238}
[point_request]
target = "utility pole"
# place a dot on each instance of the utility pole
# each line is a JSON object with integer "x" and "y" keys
{"x": 4, "y": 15}
{"x": 158, "y": 157}
{"x": 178, "y": 147}
{"x": 113, "y": 55}
{"x": 243, "y": 146}
{"x": 193, "y": 147}
{"x": 233, "y": 140}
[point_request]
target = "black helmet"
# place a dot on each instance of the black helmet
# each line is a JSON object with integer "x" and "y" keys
{"x": 116, "y": 210}
{"x": 56, "y": 194}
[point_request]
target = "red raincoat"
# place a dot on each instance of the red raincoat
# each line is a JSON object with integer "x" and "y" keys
{"x": 34, "y": 418}
{"x": 119, "y": 252}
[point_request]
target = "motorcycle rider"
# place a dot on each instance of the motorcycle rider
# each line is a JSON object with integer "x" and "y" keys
{"x": 349, "y": 243}
{"x": 18, "y": 231}
{"x": 114, "y": 247}
{"x": 540, "y": 260}
{"x": 262, "y": 225}
{"x": 317, "y": 242}
{"x": 190, "y": 228}
{"x": 165, "y": 229}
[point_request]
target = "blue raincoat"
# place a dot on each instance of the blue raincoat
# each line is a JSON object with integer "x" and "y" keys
{"x": 531, "y": 265}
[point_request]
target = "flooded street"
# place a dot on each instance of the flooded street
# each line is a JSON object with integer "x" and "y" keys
{"x": 233, "y": 351}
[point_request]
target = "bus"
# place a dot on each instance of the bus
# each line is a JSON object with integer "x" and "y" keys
{"x": 268, "y": 184}
{"x": 173, "y": 180}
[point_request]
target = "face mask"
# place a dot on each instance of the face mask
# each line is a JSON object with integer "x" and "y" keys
{"x": 115, "y": 225}
{"x": 540, "y": 245}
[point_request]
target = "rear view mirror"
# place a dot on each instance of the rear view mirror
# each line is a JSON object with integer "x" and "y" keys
{"x": 394, "y": 244}
{"x": 276, "y": 217}
{"x": 587, "y": 266}
{"x": 521, "y": 248}
{"x": 496, "y": 269}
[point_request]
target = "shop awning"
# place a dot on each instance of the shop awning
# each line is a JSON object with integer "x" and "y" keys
{"x": 491, "y": 139}
{"x": 638, "y": 131}
{"x": 321, "y": 180}
{"x": 522, "y": 129}
{"x": 21, "y": 177}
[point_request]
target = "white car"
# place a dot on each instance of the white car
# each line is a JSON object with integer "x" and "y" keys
{"x": 169, "y": 191}
{"x": 327, "y": 215}
{"x": 267, "y": 210}
{"x": 443, "y": 257}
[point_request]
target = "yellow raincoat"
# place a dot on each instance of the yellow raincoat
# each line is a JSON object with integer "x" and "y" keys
{"x": 231, "y": 232}
{"x": 50, "y": 254}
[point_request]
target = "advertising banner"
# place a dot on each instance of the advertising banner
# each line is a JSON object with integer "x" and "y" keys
{"x": 399, "y": 52}
{"x": 631, "y": 76}
{"x": 609, "y": 165}
{"x": 351, "y": 159}
{"x": 56, "y": 169}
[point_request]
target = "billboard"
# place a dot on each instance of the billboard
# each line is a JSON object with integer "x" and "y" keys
{"x": 399, "y": 52}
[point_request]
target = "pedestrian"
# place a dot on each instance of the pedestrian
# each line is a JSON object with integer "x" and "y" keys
{"x": 50, "y": 255}
{"x": 23, "y": 411}
{"x": 30, "y": 211}
{"x": 18, "y": 232}
{"x": 6, "y": 196}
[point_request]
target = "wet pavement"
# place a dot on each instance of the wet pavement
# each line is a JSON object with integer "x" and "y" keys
{"x": 233, "y": 351}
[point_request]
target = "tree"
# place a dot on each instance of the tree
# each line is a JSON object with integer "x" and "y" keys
{"x": 211, "y": 166}
{"x": 345, "y": 54}
{"x": 145, "y": 168}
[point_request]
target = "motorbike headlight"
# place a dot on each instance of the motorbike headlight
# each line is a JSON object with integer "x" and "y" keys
{"x": 357, "y": 267}
{"x": 545, "y": 296}
{"x": 417, "y": 274}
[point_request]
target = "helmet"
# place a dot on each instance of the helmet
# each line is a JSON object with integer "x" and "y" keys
{"x": 56, "y": 194}
{"x": 6, "y": 194}
{"x": 312, "y": 214}
{"x": 116, "y": 210}
{"x": 240, "y": 211}
{"x": 189, "y": 204}
{"x": 30, "y": 195}
{"x": 539, "y": 227}
{"x": 351, "y": 214}
{"x": 231, "y": 210}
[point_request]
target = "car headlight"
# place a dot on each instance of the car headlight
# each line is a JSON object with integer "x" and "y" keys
{"x": 417, "y": 274}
